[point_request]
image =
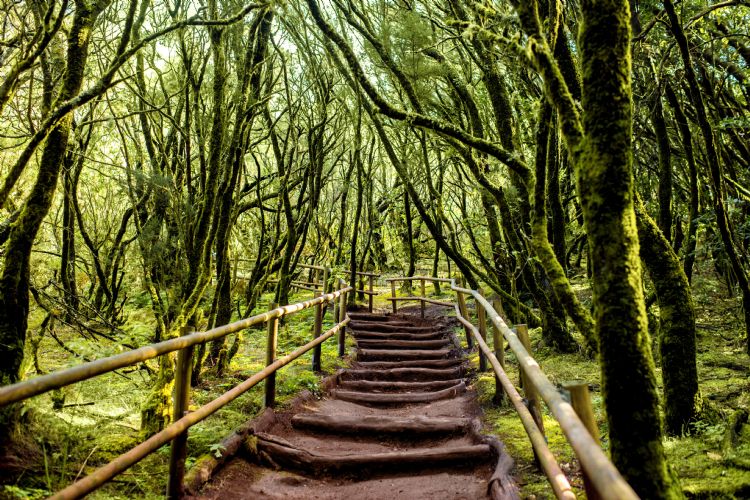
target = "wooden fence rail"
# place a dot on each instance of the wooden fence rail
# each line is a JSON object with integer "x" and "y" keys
{"x": 319, "y": 281}
{"x": 177, "y": 431}
{"x": 602, "y": 479}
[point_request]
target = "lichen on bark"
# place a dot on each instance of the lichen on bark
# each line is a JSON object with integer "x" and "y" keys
{"x": 605, "y": 184}
{"x": 14, "y": 277}
{"x": 677, "y": 324}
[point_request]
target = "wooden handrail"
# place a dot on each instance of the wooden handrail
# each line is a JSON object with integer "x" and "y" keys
{"x": 310, "y": 266}
{"x": 130, "y": 458}
{"x": 423, "y": 299}
{"x": 603, "y": 475}
{"x": 38, "y": 385}
{"x": 426, "y": 278}
{"x": 547, "y": 461}
{"x": 174, "y": 432}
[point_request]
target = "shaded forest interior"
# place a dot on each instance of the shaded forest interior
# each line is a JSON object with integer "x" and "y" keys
{"x": 169, "y": 167}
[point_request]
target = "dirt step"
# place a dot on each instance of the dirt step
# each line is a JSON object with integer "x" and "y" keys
{"x": 364, "y": 424}
{"x": 389, "y": 327}
{"x": 390, "y": 386}
{"x": 393, "y": 354}
{"x": 243, "y": 480}
{"x": 404, "y": 374}
{"x": 283, "y": 453}
{"x": 416, "y": 363}
{"x": 367, "y": 317}
{"x": 401, "y": 344}
{"x": 399, "y": 398}
{"x": 360, "y": 334}
{"x": 392, "y": 322}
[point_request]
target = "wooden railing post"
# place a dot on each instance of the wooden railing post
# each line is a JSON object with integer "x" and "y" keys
{"x": 336, "y": 285}
{"x": 482, "y": 323}
{"x": 421, "y": 302}
{"x": 342, "y": 317}
{"x": 370, "y": 286}
{"x": 317, "y": 330}
{"x": 464, "y": 313}
{"x": 529, "y": 389}
{"x": 325, "y": 279}
{"x": 180, "y": 403}
{"x": 271, "y": 344}
{"x": 393, "y": 294}
{"x": 580, "y": 400}
{"x": 499, "y": 346}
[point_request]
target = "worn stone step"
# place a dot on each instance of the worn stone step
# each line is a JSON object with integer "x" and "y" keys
{"x": 404, "y": 374}
{"x": 363, "y": 334}
{"x": 392, "y": 322}
{"x": 381, "y": 424}
{"x": 358, "y": 316}
{"x": 414, "y": 363}
{"x": 389, "y": 327}
{"x": 283, "y": 453}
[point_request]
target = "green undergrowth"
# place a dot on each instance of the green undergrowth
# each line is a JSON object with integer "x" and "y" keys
{"x": 100, "y": 418}
{"x": 708, "y": 466}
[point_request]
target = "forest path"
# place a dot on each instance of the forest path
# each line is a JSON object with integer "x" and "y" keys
{"x": 400, "y": 423}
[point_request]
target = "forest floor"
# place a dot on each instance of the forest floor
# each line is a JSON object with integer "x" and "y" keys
{"x": 100, "y": 418}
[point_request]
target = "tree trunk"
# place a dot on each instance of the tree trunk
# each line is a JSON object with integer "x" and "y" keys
{"x": 714, "y": 166}
{"x": 556, "y": 334}
{"x": 665, "y": 168}
{"x": 677, "y": 324}
{"x": 14, "y": 278}
{"x": 605, "y": 183}
{"x": 68, "y": 250}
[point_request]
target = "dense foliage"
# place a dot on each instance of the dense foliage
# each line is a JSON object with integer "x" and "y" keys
{"x": 180, "y": 158}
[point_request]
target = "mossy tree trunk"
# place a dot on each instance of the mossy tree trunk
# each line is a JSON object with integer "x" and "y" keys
{"x": 247, "y": 95}
{"x": 686, "y": 137}
{"x": 677, "y": 324}
{"x": 68, "y": 247}
{"x": 356, "y": 161}
{"x": 605, "y": 184}
{"x": 156, "y": 411}
{"x": 665, "y": 167}
{"x": 556, "y": 222}
{"x": 14, "y": 277}
{"x": 558, "y": 337}
{"x": 600, "y": 144}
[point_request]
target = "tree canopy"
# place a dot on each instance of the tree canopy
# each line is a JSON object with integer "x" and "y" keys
{"x": 159, "y": 150}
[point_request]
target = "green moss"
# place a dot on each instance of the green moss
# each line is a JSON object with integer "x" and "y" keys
{"x": 704, "y": 468}
{"x": 505, "y": 424}
{"x": 704, "y": 471}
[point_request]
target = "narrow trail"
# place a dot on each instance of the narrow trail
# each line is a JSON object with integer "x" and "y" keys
{"x": 400, "y": 423}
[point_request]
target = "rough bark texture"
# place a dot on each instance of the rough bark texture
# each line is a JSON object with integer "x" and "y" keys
{"x": 560, "y": 338}
{"x": 665, "y": 168}
{"x": 605, "y": 182}
{"x": 687, "y": 144}
{"x": 677, "y": 324}
{"x": 14, "y": 279}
